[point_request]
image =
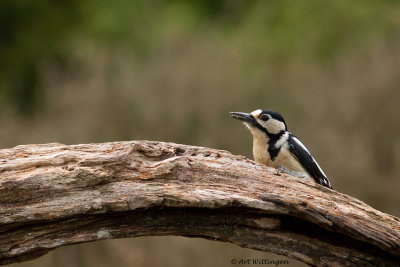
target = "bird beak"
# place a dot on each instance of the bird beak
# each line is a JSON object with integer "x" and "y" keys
{"x": 245, "y": 117}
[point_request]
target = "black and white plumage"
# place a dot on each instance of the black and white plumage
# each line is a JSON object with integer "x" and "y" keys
{"x": 274, "y": 146}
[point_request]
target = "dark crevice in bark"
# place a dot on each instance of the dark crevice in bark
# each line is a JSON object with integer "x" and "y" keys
{"x": 235, "y": 225}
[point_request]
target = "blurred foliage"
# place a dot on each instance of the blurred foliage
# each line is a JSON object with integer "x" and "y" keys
{"x": 31, "y": 32}
{"x": 93, "y": 71}
{"x": 34, "y": 32}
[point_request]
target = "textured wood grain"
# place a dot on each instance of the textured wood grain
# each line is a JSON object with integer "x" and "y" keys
{"x": 54, "y": 195}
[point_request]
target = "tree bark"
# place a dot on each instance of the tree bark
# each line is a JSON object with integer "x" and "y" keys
{"x": 53, "y": 195}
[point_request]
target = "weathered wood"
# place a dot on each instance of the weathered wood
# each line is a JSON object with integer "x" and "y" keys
{"x": 54, "y": 195}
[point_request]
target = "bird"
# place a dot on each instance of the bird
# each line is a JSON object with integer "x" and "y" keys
{"x": 275, "y": 146}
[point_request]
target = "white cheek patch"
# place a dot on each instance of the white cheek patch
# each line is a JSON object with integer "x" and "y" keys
{"x": 274, "y": 126}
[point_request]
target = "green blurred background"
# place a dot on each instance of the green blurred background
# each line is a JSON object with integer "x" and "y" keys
{"x": 83, "y": 71}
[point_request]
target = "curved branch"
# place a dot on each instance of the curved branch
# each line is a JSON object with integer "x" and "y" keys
{"x": 53, "y": 195}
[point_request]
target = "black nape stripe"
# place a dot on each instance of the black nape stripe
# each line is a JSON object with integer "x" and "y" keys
{"x": 272, "y": 149}
{"x": 272, "y": 138}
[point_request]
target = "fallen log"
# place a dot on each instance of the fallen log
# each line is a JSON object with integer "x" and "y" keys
{"x": 54, "y": 195}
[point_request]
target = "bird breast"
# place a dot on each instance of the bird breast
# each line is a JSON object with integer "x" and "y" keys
{"x": 284, "y": 157}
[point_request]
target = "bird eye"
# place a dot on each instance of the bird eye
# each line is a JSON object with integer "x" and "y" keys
{"x": 264, "y": 117}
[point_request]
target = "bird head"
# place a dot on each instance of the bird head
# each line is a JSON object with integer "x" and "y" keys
{"x": 262, "y": 121}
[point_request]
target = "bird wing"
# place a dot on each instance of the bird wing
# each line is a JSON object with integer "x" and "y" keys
{"x": 298, "y": 150}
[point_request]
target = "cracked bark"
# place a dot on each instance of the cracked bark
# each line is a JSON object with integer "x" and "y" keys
{"x": 53, "y": 195}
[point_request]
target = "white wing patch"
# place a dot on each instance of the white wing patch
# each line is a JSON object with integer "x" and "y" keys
{"x": 319, "y": 168}
{"x": 282, "y": 140}
{"x": 304, "y": 147}
{"x": 300, "y": 144}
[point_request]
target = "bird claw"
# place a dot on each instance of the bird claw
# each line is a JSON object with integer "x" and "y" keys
{"x": 282, "y": 169}
{"x": 279, "y": 171}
